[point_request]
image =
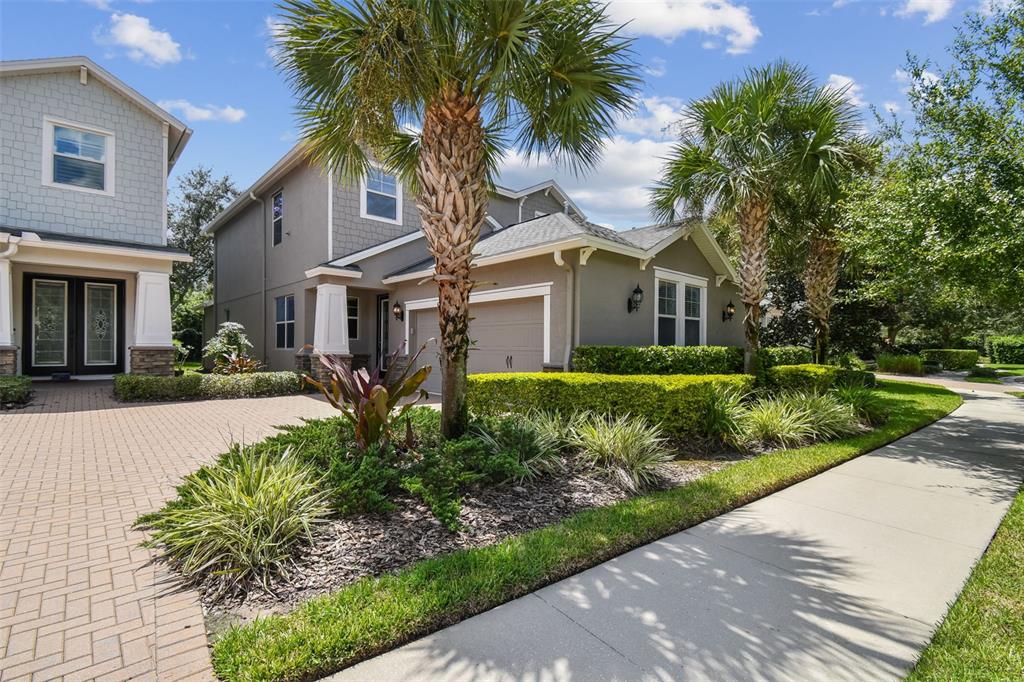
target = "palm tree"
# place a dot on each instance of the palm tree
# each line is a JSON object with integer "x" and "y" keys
{"x": 740, "y": 146}
{"x": 438, "y": 90}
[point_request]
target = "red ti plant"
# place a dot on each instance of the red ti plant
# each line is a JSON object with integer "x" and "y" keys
{"x": 368, "y": 400}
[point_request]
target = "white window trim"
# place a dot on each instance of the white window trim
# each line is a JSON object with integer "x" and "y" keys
{"x": 47, "y": 159}
{"x": 284, "y": 322}
{"x": 683, "y": 279}
{"x": 34, "y": 348}
{"x": 100, "y": 285}
{"x": 541, "y": 289}
{"x": 272, "y": 197}
{"x": 398, "y": 199}
{"x": 657, "y": 308}
{"x": 349, "y": 317}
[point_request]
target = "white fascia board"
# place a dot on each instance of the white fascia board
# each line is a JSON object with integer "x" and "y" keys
{"x": 668, "y": 241}
{"x": 324, "y": 270}
{"x": 379, "y": 248}
{"x": 283, "y": 165}
{"x": 547, "y": 184}
{"x": 32, "y": 240}
{"x": 704, "y": 239}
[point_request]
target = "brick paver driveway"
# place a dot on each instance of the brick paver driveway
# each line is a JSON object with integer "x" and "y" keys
{"x": 77, "y": 598}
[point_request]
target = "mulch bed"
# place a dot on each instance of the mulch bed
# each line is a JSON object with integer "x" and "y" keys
{"x": 347, "y": 549}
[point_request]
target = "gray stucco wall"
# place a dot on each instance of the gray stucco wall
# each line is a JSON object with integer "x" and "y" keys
{"x": 608, "y": 279}
{"x": 506, "y": 211}
{"x": 134, "y": 213}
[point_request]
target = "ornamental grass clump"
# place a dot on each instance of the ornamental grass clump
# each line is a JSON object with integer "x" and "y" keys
{"x": 626, "y": 449}
{"x": 868, "y": 404}
{"x": 775, "y": 422}
{"x": 239, "y": 520}
{"x": 828, "y": 416}
{"x": 535, "y": 448}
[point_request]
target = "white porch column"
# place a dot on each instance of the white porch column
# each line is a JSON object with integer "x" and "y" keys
{"x": 6, "y": 304}
{"x": 330, "y": 328}
{"x": 153, "y": 310}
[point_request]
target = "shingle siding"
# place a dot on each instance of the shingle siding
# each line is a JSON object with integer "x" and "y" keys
{"x": 353, "y": 233}
{"x": 133, "y": 214}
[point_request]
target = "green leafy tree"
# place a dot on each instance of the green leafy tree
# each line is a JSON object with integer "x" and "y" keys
{"x": 944, "y": 215}
{"x": 437, "y": 90}
{"x": 741, "y": 146}
{"x": 200, "y": 197}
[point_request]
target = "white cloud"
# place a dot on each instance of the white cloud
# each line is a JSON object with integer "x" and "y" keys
{"x": 210, "y": 112}
{"x": 933, "y": 10}
{"x": 272, "y": 31}
{"x": 99, "y": 4}
{"x": 892, "y": 107}
{"x": 668, "y": 19}
{"x": 653, "y": 116}
{"x": 657, "y": 68}
{"x": 143, "y": 42}
{"x": 851, "y": 89}
{"x": 614, "y": 193}
{"x": 990, "y": 7}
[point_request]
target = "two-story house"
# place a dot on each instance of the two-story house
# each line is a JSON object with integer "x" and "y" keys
{"x": 84, "y": 261}
{"x": 311, "y": 265}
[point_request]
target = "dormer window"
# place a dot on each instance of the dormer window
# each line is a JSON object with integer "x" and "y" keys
{"x": 381, "y": 197}
{"x": 78, "y": 157}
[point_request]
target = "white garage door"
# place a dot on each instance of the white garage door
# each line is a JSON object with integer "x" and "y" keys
{"x": 508, "y": 336}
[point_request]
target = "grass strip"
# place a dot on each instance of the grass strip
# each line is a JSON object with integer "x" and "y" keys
{"x": 982, "y": 637}
{"x": 374, "y": 615}
{"x": 1017, "y": 394}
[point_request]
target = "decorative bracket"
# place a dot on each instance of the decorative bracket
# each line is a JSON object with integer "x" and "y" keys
{"x": 644, "y": 262}
{"x": 585, "y": 254}
{"x": 558, "y": 259}
{"x": 719, "y": 279}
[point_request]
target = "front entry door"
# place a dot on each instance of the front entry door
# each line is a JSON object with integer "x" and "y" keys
{"x": 383, "y": 310}
{"x": 73, "y": 324}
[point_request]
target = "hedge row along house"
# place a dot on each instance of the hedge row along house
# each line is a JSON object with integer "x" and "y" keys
{"x": 84, "y": 261}
{"x": 313, "y": 266}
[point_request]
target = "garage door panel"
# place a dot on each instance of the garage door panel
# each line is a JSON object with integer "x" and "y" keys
{"x": 499, "y": 329}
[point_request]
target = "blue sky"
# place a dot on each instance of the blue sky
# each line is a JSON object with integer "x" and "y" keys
{"x": 209, "y": 63}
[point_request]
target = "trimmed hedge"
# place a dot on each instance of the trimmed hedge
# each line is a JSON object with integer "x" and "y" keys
{"x": 15, "y": 390}
{"x": 951, "y": 358}
{"x": 1006, "y": 350}
{"x": 815, "y": 377}
{"x": 900, "y": 364}
{"x": 677, "y": 403}
{"x": 657, "y": 359}
{"x": 142, "y": 388}
{"x": 785, "y": 355}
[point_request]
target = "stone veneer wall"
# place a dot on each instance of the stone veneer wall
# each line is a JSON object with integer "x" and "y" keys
{"x": 309, "y": 364}
{"x": 155, "y": 361}
{"x": 8, "y": 361}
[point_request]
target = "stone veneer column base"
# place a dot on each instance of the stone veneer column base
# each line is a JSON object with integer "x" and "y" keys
{"x": 316, "y": 368}
{"x": 156, "y": 361}
{"x": 8, "y": 360}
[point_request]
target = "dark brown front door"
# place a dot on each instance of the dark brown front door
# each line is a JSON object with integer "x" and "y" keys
{"x": 73, "y": 325}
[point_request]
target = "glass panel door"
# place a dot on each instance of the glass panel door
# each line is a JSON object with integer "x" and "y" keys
{"x": 49, "y": 323}
{"x": 383, "y": 343}
{"x": 100, "y": 324}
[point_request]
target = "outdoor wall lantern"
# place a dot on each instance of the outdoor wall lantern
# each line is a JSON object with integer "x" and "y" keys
{"x": 729, "y": 311}
{"x": 634, "y": 301}
{"x": 397, "y": 311}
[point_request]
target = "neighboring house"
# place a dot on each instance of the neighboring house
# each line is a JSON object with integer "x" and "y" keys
{"x": 314, "y": 266}
{"x": 84, "y": 261}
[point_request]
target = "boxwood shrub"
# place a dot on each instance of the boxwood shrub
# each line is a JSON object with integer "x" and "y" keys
{"x": 1007, "y": 350}
{"x": 785, "y": 355}
{"x": 143, "y": 388}
{"x": 951, "y": 358}
{"x": 900, "y": 364}
{"x": 15, "y": 390}
{"x": 808, "y": 377}
{"x": 657, "y": 359}
{"x": 677, "y": 403}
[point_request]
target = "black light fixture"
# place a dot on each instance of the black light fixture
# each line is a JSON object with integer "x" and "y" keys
{"x": 397, "y": 311}
{"x": 635, "y": 299}
{"x": 729, "y": 311}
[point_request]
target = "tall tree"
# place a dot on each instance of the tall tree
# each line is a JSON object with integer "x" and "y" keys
{"x": 740, "y": 147}
{"x": 201, "y": 196}
{"x": 437, "y": 90}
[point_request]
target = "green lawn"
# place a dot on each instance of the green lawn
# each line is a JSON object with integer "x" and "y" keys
{"x": 192, "y": 367}
{"x": 982, "y": 637}
{"x": 982, "y": 380}
{"x": 1015, "y": 370}
{"x": 1019, "y": 394}
{"x": 374, "y": 615}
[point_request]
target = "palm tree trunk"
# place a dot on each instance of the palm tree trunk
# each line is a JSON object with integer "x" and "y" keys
{"x": 753, "y": 226}
{"x": 820, "y": 276}
{"x": 452, "y": 203}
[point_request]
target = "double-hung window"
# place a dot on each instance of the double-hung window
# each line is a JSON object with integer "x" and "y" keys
{"x": 277, "y": 212}
{"x": 353, "y": 318}
{"x": 284, "y": 319}
{"x": 78, "y": 157}
{"x": 681, "y": 317}
{"x": 381, "y": 197}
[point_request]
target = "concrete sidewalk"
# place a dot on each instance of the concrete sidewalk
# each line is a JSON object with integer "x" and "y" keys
{"x": 842, "y": 577}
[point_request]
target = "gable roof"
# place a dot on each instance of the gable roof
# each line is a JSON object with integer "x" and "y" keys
{"x": 547, "y": 186}
{"x": 557, "y": 232}
{"x": 179, "y": 132}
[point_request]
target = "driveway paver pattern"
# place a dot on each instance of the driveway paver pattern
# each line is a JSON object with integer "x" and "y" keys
{"x": 78, "y": 597}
